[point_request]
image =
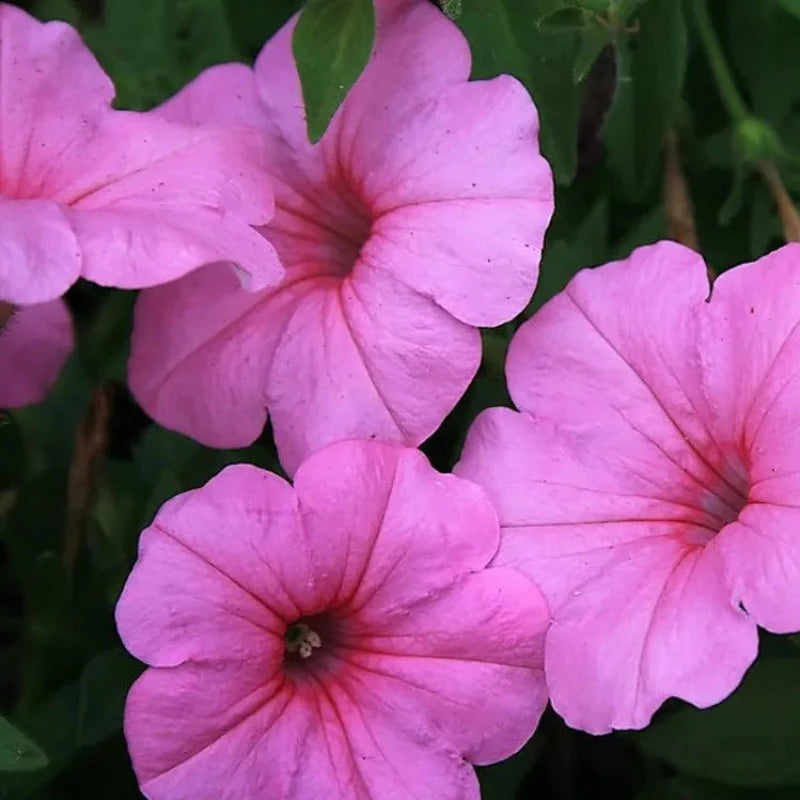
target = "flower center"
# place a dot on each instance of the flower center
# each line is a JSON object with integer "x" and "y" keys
{"x": 301, "y": 640}
{"x": 723, "y": 499}
{"x": 320, "y": 228}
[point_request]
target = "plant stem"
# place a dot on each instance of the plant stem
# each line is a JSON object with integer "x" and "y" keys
{"x": 790, "y": 218}
{"x": 726, "y": 86}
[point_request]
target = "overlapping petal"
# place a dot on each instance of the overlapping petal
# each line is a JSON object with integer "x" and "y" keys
{"x": 35, "y": 343}
{"x": 124, "y": 199}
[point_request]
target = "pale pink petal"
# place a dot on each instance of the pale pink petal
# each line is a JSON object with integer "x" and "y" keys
{"x": 34, "y": 345}
{"x": 483, "y": 661}
{"x": 406, "y": 529}
{"x": 199, "y": 611}
{"x": 222, "y": 731}
{"x": 227, "y": 533}
{"x": 357, "y": 360}
{"x": 654, "y": 620}
{"x": 52, "y": 93}
{"x": 478, "y": 259}
{"x": 762, "y": 564}
{"x": 173, "y": 198}
{"x": 39, "y": 255}
{"x": 291, "y": 742}
{"x": 201, "y": 352}
{"x": 223, "y": 93}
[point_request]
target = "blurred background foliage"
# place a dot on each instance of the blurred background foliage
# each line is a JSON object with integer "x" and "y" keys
{"x": 643, "y": 104}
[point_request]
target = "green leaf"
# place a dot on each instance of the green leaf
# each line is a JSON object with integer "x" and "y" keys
{"x": 763, "y": 45}
{"x": 504, "y": 37}
{"x": 594, "y": 37}
{"x": 57, "y": 9}
{"x": 17, "y": 752}
{"x": 332, "y": 43}
{"x": 792, "y": 6}
{"x": 452, "y": 8}
{"x": 751, "y": 739}
{"x": 649, "y": 94}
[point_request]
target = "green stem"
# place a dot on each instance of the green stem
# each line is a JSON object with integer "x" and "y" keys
{"x": 726, "y": 86}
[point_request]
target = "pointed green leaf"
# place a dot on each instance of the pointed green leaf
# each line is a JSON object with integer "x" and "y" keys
{"x": 332, "y": 43}
{"x": 17, "y": 752}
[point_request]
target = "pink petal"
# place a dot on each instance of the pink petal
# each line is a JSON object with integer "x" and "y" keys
{"x": 478, "y": 259}
{"x": 34, "y": 345}
{"x": 368, "y": 359}
{"x": 762, "y": 564}
{"x": 223, "y": 93}
{"x": 751, "y": 372}
{"x": 471, "y": 652}
{"x": 275, "y": 741}
{"x": 148, "y": 200}
{"x": 39, "y": 255}
{"x": 652, "y": 619}
{"x": 174, "y": 198}
{"x": 418, "y": 52}
{"x": 640, "y": 610}
{"x": 53, "y": 93}
{"x": 220, "y": 731}
{"x": 216, "y": 538}
{"x": 409, "y": 531}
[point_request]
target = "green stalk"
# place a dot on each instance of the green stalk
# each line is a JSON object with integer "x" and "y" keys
{"x": 726, "y": 86}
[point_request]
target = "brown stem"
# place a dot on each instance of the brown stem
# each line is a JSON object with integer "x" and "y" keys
{"x": 790, "y": 219}
{"x": 91, "y": 441}
{"x": 677, "y": 202}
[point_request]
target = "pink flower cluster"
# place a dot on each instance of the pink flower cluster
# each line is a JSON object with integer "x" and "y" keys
{"x": 375, "y": 629}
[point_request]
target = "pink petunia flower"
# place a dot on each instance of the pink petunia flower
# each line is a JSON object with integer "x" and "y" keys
{"x": 120, "y": 198}
{"x": 650, "y": 485}
{"x": 419, "y": 215}
{"x": 338, "y": 639}
{"x": 35, "y": 342}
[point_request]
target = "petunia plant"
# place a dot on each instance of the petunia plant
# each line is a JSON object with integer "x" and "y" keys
{"x": 399, "y": 399}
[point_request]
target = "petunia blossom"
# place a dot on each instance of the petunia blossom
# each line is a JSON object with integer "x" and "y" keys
{"x": 418, "y": 216}
{"x": 121, "y": 198}
{"x": 35, "y": 341}
{"x": 649, "y": 483}
{"x": 341, "y": 638}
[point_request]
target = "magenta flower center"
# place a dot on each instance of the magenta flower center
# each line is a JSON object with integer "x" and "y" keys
{"x": 320, "y": 229}
{"x": 725, "y": 495}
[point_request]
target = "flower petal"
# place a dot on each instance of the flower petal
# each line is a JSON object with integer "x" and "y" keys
{"x": 388, "y": 528}
{"x": 368, "y": 358}
{"x": 201, "y": 353}
{"x": 654, "y": 620}
{"x": 39, "y": 255}
{"x": 173, "y": 198}
{"x": 52, "y": 94}
{"x": 34, "y": 345}
{"x": 207, "y": 575}
{"x": 220, "y": 731}
{"x": 475, "y": 649}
